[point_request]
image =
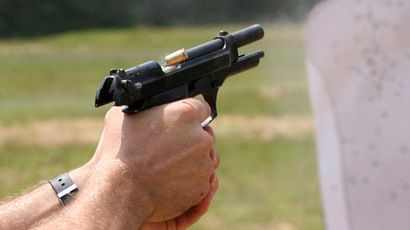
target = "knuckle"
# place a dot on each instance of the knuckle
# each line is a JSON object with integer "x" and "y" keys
{"x": 210, "y": 169}
{"x": 205, "y": 143}
{"x": 112, "y": 113}
{"x": 206, "y": 169}
{"x": 194, "y": 109}
{"x": 214, "y": 182}
{"x": 208, "y": 139}
{"x": 215, "y": 158}
{"x": 109, "y": 114}
{"x": 182, "y": 111}
{"x": 187, "y": 111}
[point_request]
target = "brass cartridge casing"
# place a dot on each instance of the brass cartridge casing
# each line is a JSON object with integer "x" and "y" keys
{"x": 176, "y": 57}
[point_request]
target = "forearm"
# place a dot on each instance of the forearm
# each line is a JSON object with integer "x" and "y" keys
{"x": 107, "y": 201}
{"x": 36, "y": 204}
{"x": 22, "y": 212}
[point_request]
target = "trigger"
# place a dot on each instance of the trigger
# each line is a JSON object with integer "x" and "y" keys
{"x": 207, "y": 121}
{"x": 210, "y": 97}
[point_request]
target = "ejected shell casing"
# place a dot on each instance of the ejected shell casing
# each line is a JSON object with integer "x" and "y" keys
{"x": 176, "y": 57}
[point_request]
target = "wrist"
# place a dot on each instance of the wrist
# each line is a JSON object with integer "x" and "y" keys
{"x": 80, "y": 175}
{"x": 64, "y": 187}
{"x": 113, "y": 189}
{"x": 67, "y": 185}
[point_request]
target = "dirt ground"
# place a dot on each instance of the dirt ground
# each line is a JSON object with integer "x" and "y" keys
{"x": 62, "y": 132}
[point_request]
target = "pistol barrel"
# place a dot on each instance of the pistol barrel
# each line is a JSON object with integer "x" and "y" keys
{"x": 239, "y": 38}
{"x": 195, "y": 52}
{"x": 205, "y": 48}
{"x": 248, "y": 35}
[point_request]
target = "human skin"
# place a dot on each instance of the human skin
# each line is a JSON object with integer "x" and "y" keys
{"x": 156, "y": 166}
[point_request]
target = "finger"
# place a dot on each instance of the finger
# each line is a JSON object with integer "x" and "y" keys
{"x": 210, "y": 131}
{"x": 202, "y": 108}
{"x": 195, "y": 213}
{"x": 212, "y": 154}
{"x": 214, "y": 183}
{"x": 215, "y": 158}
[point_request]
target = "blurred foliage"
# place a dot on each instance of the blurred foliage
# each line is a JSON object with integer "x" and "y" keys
{"x": 35, "y": 18}
{"x": 216, "y": 11}
{"x": 31, "y": 18}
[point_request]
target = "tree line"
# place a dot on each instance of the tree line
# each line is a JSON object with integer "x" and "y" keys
{"x": 35, "y": 18}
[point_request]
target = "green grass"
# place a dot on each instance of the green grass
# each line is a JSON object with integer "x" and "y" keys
{"x": 263, "y": 183}
{"x": 22, "y": 166}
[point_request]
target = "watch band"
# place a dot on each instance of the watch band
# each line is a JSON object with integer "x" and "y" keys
{"x": 64, "y": 187}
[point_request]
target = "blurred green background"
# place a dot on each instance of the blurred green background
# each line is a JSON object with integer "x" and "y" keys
{"x": 48, "y": 123}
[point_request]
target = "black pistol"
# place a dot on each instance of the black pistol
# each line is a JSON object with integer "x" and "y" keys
{"x": 187, "y": 73}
